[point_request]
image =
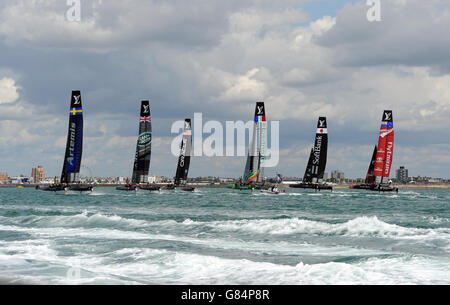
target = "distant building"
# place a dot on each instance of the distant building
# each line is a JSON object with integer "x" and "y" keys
{"x": 38, "y": 174}
{"x": 4, "y": 178}
{"x": 402, "y": 174}
{"x": 337, "y": 175}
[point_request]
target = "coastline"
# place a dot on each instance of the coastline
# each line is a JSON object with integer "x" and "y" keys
{"x": 339, "y": 186}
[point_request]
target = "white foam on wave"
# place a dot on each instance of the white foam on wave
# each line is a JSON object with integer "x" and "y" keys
{"x": 165, "y": 267}
{"x": 360, "y": 226}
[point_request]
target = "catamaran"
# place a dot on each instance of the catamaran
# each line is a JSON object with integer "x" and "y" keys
{"x": 141, "y": 164}
{"x": 377, "y": 178}
{"x": 253, "y": 173}
{"x": 315, "y": 169}
{"x": 70, "y": 176}
{"x": 184, "y": 160}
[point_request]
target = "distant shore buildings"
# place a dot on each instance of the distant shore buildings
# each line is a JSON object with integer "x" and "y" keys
{"x": 4, "y": 178}
{"x": 337, "y": 175}
{"x": 38, "y": 174}
{"x": 402, "y": 174}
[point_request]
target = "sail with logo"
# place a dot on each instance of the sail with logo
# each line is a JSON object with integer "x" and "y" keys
{"x": 377, "y": 178}
{"x": 253, "y": 171}
{"x": 141, "y": 164}
{"x": 315, "y": 169}
{"x": 70, "y": 176}
{"x": 184, "y": 159}
{"x": 385, "y": 153}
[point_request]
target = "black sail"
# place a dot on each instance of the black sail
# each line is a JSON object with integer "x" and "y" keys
{"x": 74, "y": 146}
{"x": 185, "y": 154}
{"x": 318, "y": 157}
{"x": 308, "y": 172}
{"x": 144, "y": 146}
{"x": 370, "y": 177}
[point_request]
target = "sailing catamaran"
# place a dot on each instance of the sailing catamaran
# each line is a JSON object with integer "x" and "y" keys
{"x": 143, "y": 153}
{"x": 70, "y": 176}
{"x": 377, "y": 178}
{"x": 184, "y": 160}
{"x": 253, "y": 173}
{"x": 315, "y": 169}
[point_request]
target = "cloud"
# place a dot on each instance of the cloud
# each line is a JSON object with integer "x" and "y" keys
{"x": 8, "y": 91}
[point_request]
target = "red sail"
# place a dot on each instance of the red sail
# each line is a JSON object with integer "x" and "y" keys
{"x": 385, "y": 151}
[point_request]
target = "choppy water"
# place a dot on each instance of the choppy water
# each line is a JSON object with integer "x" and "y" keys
{"x": 221, "y": 236}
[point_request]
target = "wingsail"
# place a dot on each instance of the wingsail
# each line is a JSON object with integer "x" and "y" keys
{"x": 385, "y": 150}
{"x": 253, "y": 172}
{"x": 317, "y": 162}
{"x": 74, "y": 146}
{"x": 144, "y": 146}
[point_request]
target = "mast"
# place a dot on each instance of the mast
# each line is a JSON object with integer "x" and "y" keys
{"x": 185, "y": 154}
{"x": 370, "y": 178}
{"x": 144, "y": 146}
{"x": 318, "y": 158}
{"x": 74, "y": 146}
{"x": 385, "y": 150}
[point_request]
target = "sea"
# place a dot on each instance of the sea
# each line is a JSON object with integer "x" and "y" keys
{"x": 218, "y": 236}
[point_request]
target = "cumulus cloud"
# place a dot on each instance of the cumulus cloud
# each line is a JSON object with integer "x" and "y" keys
{"x": 8, "y": 90}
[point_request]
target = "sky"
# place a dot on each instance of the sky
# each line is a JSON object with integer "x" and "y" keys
{"x": 303, "y": 58}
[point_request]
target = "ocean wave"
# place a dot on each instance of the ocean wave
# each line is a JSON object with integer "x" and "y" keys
{"x": 167, "y": 267}
{"x": 360, "y": 226}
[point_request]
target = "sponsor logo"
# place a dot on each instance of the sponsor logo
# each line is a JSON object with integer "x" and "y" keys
{"x": 387, "y": 116}
{"x": 260, "y": 110}
{"x": 72, "y": 131}
{"x": 146, "y": 108}
{"x": 321, "y": 123}
{"x": 145, "y": 138}
{"x": 383, "y": 134}
{"x": 183, "y": 152}
{"x": 77, "y": 99}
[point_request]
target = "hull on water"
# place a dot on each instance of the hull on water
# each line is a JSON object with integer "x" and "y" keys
{"x": 187, "y": 189}
{"x": 384, "y": 188}
{"x": 151, "y": 188}
{"x": 363, "y": 186}
{"x": 126, "y": 188}
{"x": 80, "y": 188}
{"x": 51, "y": 188}
{"x": 375, "y": 187}
{"x": 314, "y": 186}
{"x": 169, "y": 187}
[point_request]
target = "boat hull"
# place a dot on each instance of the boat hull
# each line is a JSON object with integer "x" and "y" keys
{"x": 126, "y": 188}
{"x": 51, "y": 188}
{"x": 80, "y": 188}
{"x": 374, "y": 187}
{"x": 313, "y": 186}
{"x": 187, "y": 189}
{"x": 151, "y": 188}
